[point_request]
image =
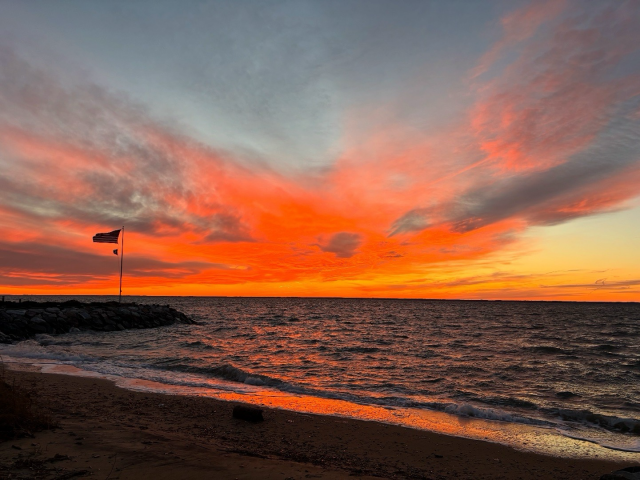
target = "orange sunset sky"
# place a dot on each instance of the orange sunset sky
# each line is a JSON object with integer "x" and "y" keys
{"x": 480, "y": 150}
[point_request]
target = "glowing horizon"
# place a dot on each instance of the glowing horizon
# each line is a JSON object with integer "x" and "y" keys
{"x": 281, "y": 149}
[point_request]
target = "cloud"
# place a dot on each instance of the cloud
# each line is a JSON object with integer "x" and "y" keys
{"x": 227, "y": 228}
{"x": 561, "y": 91}
{"x": 546, "y": 198}
{"x": 43, "y": 264}
{"x": 518, "y": 26}
{"x": 553, "y": 133}
{"x": 343, "y": 244}
{"x": 601, "y": 284}
{"x": 78, "y": 152}
{"x": 413, "y": 221}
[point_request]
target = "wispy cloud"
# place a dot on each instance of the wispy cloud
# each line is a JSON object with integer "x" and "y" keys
{"x": 627, "y": 286}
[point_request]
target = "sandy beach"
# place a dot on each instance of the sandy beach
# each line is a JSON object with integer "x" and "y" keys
{"x": 111, "y": 433}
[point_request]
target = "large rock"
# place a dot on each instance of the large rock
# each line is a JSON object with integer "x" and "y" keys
{"x": 629, "y": 473}
{"x": 33, "y": 318}
{"x": 38, "y": 325}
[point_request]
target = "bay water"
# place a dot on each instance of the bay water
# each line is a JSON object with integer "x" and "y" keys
{"x": 557, "y": 377}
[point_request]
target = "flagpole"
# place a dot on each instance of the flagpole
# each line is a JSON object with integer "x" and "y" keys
{"x": 121, "y": 258}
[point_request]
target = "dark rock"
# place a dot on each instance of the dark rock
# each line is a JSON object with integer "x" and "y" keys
{"x": 49, "y": 317}
{"x": 629, "y": 473}
{"x": 250, "y": 414}
{"x": 38, "y": 325}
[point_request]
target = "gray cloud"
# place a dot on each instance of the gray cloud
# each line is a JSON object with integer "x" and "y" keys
{"x": 100, "y": 158}
{"x": 36, "y": 263}
{"x": 558, "y": 127}
{"x": 413, "y": 221}
{"x": 343, "y": 244}
{"x": 542, "y": 197}
{"x": 227, "y": 228}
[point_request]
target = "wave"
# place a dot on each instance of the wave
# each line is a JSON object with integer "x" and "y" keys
{"x": 229, "y": 373}
{"x": 549, "y": 349}
{"x": 33, "y": 350}
{"x": 608, "y": 422}
{"x": 606, "y": 347}
{"x": 198, "y": 344}
{"x": 469, "y": 410}
{"x": 359, "y": 349}
{"x": 509, "y": 402}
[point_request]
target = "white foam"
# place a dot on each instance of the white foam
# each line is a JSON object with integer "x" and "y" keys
{"x": 33, "y": 350}
{"x": 489, "y": 414}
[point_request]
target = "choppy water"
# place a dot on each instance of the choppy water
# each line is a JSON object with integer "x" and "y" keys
{"x": 570, "y": 368}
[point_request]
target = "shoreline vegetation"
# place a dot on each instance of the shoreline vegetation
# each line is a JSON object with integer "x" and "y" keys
{"x": 103, "y": 431}
{"x": 23, "y": 320}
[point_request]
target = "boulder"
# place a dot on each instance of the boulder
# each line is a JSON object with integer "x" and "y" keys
{"x": 38, "y": 325}
{"x": 21, "y": 323}
{"x": 629, "y": 473}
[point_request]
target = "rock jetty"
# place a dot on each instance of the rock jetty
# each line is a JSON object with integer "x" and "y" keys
{"x": 20, "y": 321}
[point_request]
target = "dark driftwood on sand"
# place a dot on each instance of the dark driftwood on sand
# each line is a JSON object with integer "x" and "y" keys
{"x": 19, "y": 321}
{"x": 250, "y": 414}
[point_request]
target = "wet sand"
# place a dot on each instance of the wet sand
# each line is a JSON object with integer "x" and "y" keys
{"x": 111, "y": 433}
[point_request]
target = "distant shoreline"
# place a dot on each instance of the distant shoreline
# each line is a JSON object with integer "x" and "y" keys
{"x": 26, "y": 296}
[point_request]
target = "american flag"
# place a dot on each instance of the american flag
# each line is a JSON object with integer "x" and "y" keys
{"x": 111, "y": 237}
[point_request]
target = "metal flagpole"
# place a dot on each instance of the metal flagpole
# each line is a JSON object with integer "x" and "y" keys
{"x": 121, "y": 258}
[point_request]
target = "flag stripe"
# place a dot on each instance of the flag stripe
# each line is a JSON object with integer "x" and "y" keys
{"x": 110, "y": 237}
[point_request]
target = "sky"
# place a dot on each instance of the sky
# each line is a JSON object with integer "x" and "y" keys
{"x": 415, "y": 149}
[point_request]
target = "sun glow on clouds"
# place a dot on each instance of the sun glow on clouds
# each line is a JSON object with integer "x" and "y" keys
{"x": 552, "y": 136}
